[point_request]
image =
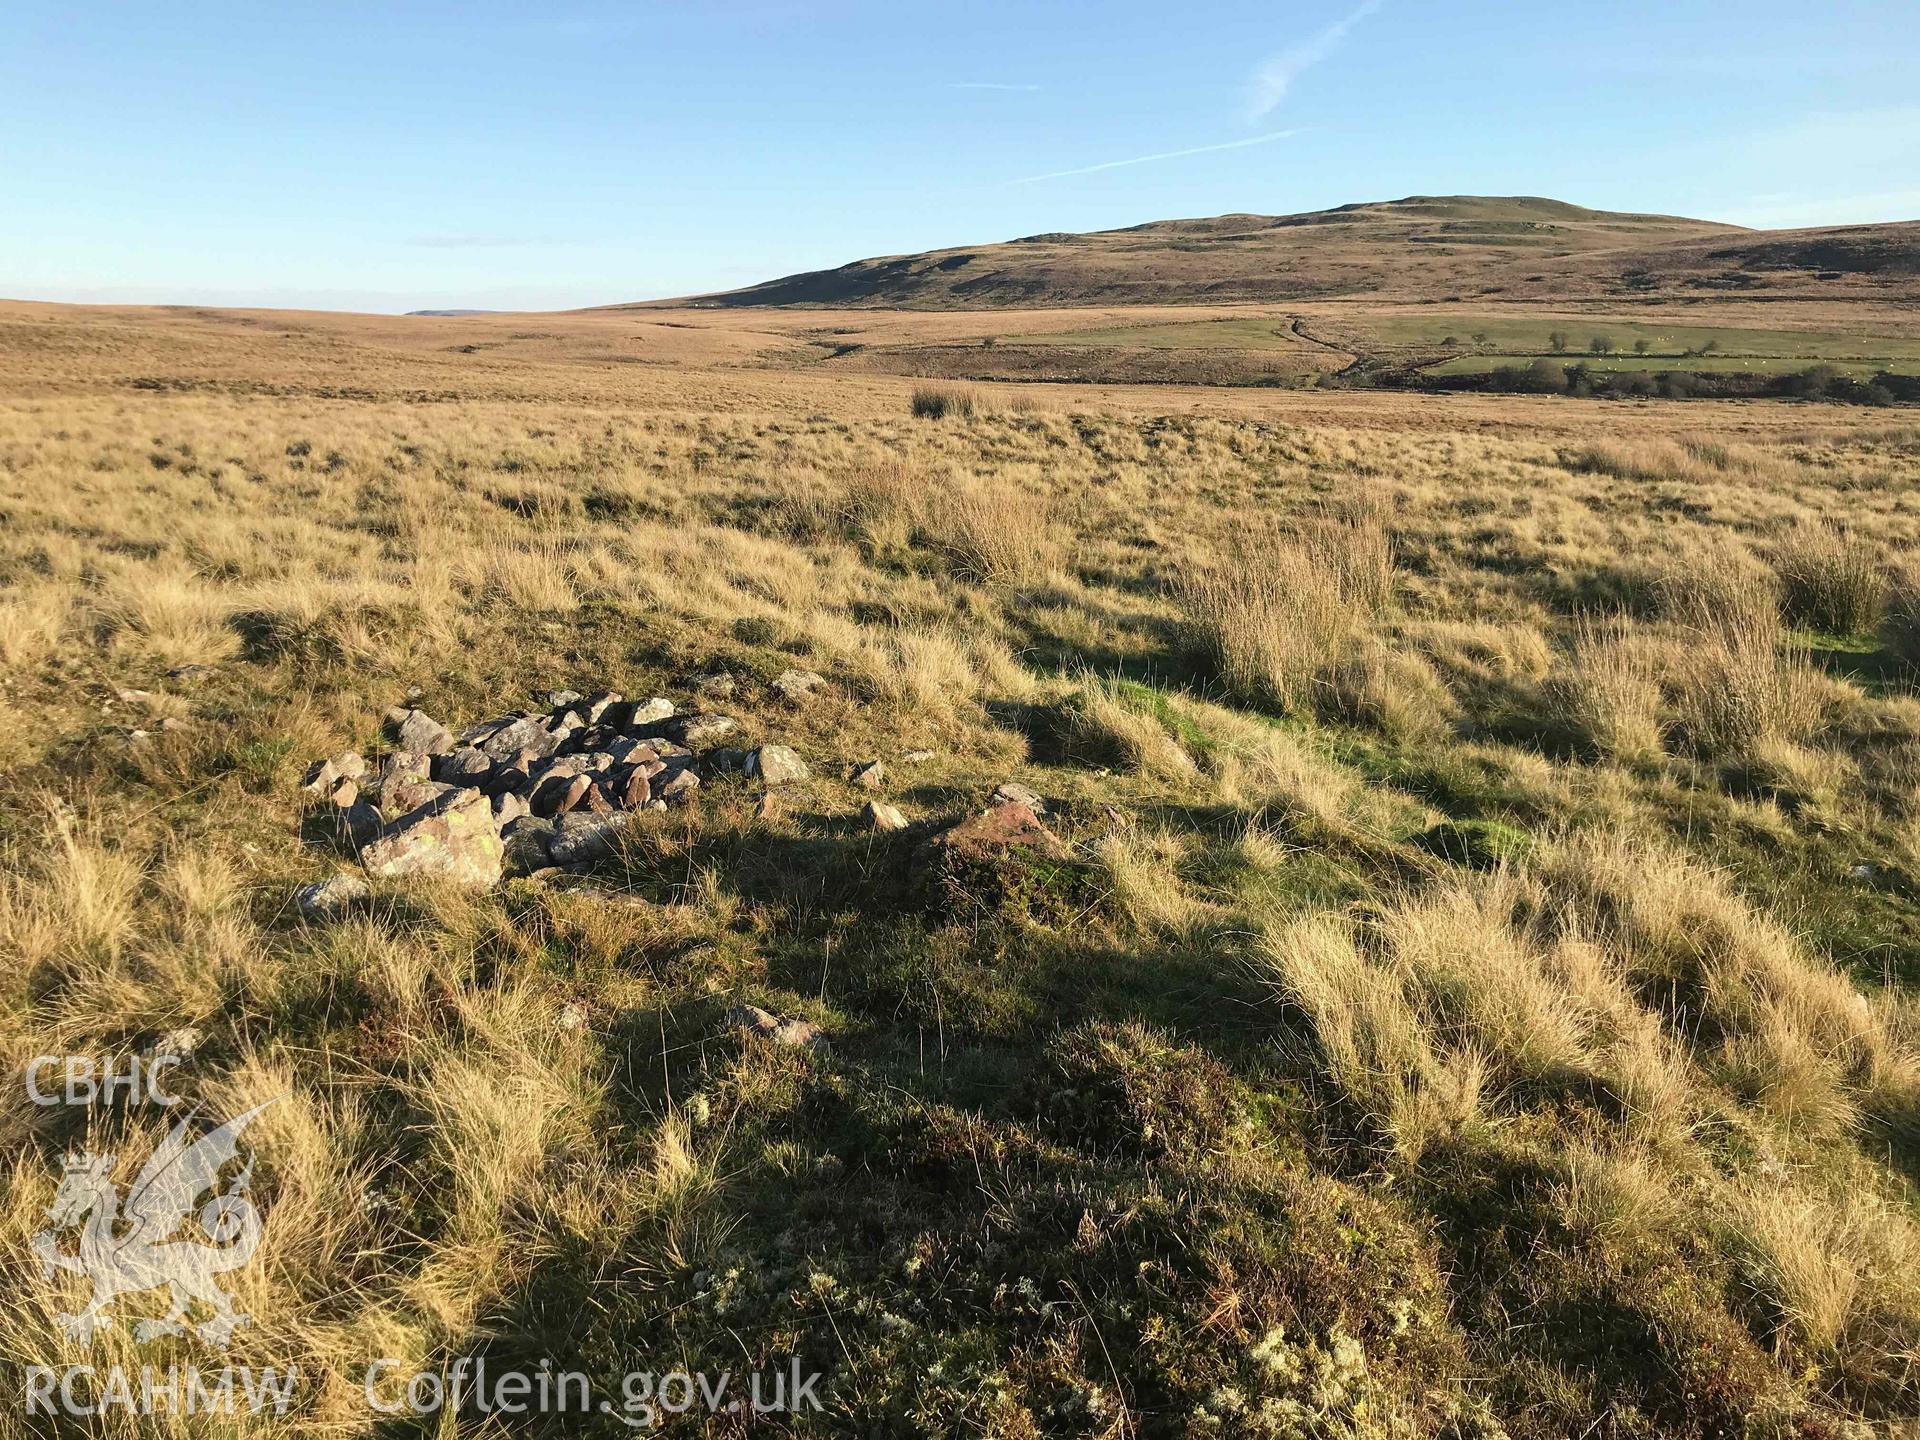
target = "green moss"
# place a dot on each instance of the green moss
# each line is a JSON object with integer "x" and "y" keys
{"x": 1477, "y": 844}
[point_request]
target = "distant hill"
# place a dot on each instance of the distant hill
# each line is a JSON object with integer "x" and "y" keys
{"x": 1425, "y": 247}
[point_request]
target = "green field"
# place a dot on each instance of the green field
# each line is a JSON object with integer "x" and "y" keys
{"x": 1529, "y": 336}
{"x": 1494, "y": 340}
{"x": 1263, "y": 333}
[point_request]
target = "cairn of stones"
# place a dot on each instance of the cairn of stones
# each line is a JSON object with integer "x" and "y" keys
{"x": 529, "y": 792}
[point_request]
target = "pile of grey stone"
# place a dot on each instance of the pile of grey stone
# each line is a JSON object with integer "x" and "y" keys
{"x": 525, "y": 792}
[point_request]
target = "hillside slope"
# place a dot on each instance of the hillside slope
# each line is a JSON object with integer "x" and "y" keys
{"x": 1419, "y": 248}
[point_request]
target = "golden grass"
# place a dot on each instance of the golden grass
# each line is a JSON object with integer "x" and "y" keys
{"x": 1665, "y": 1004}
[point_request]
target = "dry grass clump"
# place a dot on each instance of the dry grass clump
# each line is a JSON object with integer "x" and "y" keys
{"x": 1693, "y": 461}
{"x": 1831, "y": 580}
{"x": 1609, "y": 690}
{"x": 1369, "y": 1039}
{"x": 937, "y": 402}
{"x": 1829, "y": 1273}
{"x": 1274, "y": 615}
{"x": 1900, "y": 623}
{"x": 1740, "y": 683}
{"x": 991, "y": 532}
{"x": 1783, "y": 1030}
{"x": 1121, "y": 723}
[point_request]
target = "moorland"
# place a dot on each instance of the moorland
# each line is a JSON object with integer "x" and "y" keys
{"x": 1467, "y": 984}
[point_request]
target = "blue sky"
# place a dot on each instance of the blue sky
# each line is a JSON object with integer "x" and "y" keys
{"x": 400, "y": 156}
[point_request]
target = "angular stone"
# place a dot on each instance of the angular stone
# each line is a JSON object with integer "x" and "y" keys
{"x": 465, "y": 765}
{"x": 563, "y": 699}
{"x": 777, "y": 765}
{"x": 522, "y": 732}
{"x": 357, "y": 826}
{"x": 1015, "y": 793}
{"x": 632, "y": 790}
{"x": 883, "y": 817}
{"x": 399, "y": 794}
{"x": 679, "y": 788}
{"x": 650, "y": 711}
{"x": 527, "y": 845}
{"x": 418, "y": 731}
{"x": 716, "y": 686}
{"x": 452, "y": 838}
{"x": 509, "y": 807}
{"x": 796, "y": 686}
{"x": 869, "y": 775}
{"x": 769, "y": 807}
{"x": 992, "y": 833}
{"x": 702, "y": 729}
{"x": 768, "y": 1026}
{"x": 596, "y": 706}
{"x": 726, "y": 760}
{"x": 330, "y": 898}
{"x": 582, "y": 837}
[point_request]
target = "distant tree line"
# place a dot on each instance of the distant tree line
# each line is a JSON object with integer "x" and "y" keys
{"x": 1551, "y": 377}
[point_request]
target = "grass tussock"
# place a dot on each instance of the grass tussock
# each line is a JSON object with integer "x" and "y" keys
{"x": 1831, "y": 581}
{"x": 940, "y": 402}
{"x": 1275, "y": 617}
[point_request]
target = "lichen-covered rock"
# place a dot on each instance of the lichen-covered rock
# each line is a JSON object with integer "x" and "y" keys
{"x": 777, "y": 765}
{"x": 650, "y": 711}
{"x": 868, "y": 775}
{"x": 452, "y": 838}
{"x": 418, "y": 731}
{"x": 330, "y": 898}
{"x": 581, "y": 837}
{"x": 699, "y": 730}
{"x": 528, "y": 845}
{"x": 797, "y": 686}
{"x": 1012, "y": 791}
{"x": 768, "y": 1026}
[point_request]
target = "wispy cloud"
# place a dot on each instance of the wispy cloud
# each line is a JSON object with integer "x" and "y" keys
{"x": 988, "y": 85}
{"x": 1272, "y": 81}
{"x": 1149, "y": 159}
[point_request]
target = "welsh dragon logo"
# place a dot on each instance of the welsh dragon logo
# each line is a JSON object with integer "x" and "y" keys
{"x": 129, "y": 1247}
